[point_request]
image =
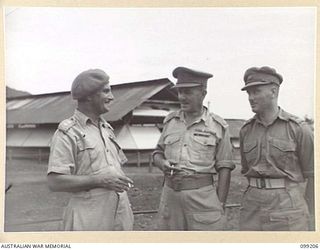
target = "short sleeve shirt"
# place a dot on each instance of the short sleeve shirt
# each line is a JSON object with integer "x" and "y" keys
{"x": 81, "y": 148}
{"x": 202, "y": 147}
{"x": 285, "y": 148}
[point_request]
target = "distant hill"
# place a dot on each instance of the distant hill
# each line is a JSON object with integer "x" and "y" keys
{"x": 10, "y": 92}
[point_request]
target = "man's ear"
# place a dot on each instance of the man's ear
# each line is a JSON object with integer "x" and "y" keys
{"x": 204, "y": 92}
{"x": 274, "y": 91}
{"x": 89, "y": 98}
{"x": 85, "y": 99}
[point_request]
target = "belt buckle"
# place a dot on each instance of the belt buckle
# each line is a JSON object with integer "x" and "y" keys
{"x": 262, "y": 183}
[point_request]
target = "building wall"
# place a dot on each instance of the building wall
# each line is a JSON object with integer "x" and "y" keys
{"x": 38, "y": 154}
{"x": 41, "y": 155}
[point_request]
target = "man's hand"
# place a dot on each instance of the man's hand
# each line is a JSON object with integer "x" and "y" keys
{"x": 168, "y": 168}
{"x": 164, "y": 165}
{"x": 114, "y": 181}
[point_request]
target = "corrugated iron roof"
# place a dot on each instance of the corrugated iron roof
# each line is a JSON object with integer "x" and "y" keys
{"x": 129, "y": 96}
{"x": 55, "y": 107}
{"x": 39, "y": 111}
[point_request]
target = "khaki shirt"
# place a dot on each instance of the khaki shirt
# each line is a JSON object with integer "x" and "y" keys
{"x": 282, "y": 149}
{"x": 80, "y": 148}
{"x": 202, "y": 147}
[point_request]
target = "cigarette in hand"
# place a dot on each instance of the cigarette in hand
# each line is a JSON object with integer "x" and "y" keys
{"x": 130, "y": 185}
{"x": 171, "y": 171}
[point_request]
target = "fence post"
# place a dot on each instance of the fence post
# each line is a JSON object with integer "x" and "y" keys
{"x": 39, "y": 153}
{"x": 138, "y": 159}
{"x": 10, "y": 155}
{"x": 150, "y": 163}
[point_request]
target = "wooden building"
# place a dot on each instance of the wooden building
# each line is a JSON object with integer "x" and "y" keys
{"x": 136, "y": 115}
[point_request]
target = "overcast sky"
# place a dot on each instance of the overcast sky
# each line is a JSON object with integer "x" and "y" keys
{"x": 47, "y": 47}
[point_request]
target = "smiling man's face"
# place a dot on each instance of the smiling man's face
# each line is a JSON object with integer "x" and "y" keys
{"x": 191, "y": 98}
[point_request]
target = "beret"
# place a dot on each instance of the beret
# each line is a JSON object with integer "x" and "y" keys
{"x": 190, "y": 78}
{"x": 88, "y": 82}
{"x": 261, "y": 76}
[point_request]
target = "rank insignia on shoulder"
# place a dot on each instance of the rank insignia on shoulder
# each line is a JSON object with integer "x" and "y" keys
{"x": 66, "y": 124}
{"x": 202, "y": 134}
{"x": 203, "y": 130}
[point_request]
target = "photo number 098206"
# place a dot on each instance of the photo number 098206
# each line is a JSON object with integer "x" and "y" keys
{"x": 309, "y": 246}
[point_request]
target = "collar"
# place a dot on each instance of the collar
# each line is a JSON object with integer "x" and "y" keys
{"x": 83, "y": 119}
{"x": 283, "y": 115}
{"x": 204, "y": 117}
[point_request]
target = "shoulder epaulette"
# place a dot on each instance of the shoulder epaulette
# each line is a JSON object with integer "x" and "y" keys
{"x": 65, "y": 125}
{"x": 170, "y": 116}
{"x": 296, "y": 119}
{"x": 290, "y": 117}
{"x": 247, "y": 122}
{"x": 220, "y": 120}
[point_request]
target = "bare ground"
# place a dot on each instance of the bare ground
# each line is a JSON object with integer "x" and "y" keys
{"x": 31, "y": 206}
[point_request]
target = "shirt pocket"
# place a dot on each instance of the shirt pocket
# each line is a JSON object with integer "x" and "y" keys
{"x": 87, "y": 156}
{"x": 202, "y": 149}
{"x": 250, "y": 150}
{"x": 172, "y": 147}
{"x": 121, "y": 156}
{"x": 283, "y": 153}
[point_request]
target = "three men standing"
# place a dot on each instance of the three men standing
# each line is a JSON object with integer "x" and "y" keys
{"x": 193, "y": 146}
{"x": 277, "y": 155}
{"x": 86, "y": 160}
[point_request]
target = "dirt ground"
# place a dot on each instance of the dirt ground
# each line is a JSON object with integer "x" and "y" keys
{"x": 30, "y": 206}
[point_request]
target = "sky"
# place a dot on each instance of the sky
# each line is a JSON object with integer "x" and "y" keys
{"x": 46, "y": 48}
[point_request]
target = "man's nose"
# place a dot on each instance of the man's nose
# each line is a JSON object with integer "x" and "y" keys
{"x": 110, "y": 96}
{"x": 250, "y": 97}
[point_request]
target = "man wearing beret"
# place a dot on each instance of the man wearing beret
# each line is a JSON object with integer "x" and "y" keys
{"x": 277, "y": 158}
{"x": 193, "y": 146}
{"x": 86, "y": 160}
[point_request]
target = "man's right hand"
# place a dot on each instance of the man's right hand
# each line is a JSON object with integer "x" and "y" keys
{"x": 168, "y": 168}
{"x": 161, "y": 162}
{"x": 114, "y": 181}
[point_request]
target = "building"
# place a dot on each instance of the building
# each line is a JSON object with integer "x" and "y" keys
{"x": 136, "y": 115}
{"x": 234, "y": 130}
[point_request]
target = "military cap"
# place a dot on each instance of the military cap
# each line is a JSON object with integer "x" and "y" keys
{"x": 261, "y": 76}
{"x": 190, "y": 78}
{"x": 88, "y": 82}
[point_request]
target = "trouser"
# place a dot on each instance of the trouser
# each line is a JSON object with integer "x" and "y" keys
{"x": 279, "y": 209}
{"x": 98, "y": 210}
{"x": 196, "y": 209}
